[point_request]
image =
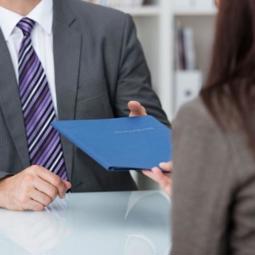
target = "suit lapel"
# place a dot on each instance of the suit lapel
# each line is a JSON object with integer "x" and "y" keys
{"x": 10, "y": 103}
{"x": 67, "y": 46}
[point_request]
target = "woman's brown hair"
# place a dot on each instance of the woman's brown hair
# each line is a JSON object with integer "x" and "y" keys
{"x": 231, "y": 81}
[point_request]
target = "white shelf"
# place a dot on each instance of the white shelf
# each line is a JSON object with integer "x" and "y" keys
{"x": 195, "y": 12}
{"x": 198, "y": 15}
{"x": 156, "y": 11}
{"x": 142, "y": 11}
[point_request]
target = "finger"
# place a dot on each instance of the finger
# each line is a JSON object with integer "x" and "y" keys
{"x": 153, "y": 174}
{"x": 40, "y": 197}
{"x": 149, "y": 174}
{"x": 45, "y": 187}
{"x": 68, "y": 185}
{"x": 163, "y": 180}
{"x": 168, "y": 189}
{"x": 53, "y": 179}
{"x": 157, "y": 175}
{"x": 161, "y": 177}
{"x": 33, "y": 206}
{"x": 136, "y": 109}
{"x": 166, "y": 166}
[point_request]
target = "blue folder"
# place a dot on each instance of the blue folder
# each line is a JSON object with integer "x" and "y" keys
{"x": 120, "y": 144}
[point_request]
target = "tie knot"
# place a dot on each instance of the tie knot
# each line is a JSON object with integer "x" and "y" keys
{"x": 26, "y": 25}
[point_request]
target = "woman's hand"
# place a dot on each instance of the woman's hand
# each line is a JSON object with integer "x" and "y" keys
{"x": 161, "y": 175}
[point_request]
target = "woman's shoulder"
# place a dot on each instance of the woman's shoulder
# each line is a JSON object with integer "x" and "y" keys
{"x": 195, "y": 114}
{"x": 194, "y": 123}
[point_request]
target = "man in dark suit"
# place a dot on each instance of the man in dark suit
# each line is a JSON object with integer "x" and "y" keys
{"x": 63, "y": 59}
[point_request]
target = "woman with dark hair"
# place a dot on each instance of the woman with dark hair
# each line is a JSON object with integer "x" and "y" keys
{"x": 213, "y": 210}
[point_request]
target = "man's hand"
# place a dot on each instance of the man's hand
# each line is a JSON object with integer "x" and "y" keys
{"x": 163, "y": 178}
{"x": 136, "y": 109}
{"x": 32, "y": 189}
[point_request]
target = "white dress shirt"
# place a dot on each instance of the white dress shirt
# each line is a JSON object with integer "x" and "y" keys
{"x": 42, "y": 38}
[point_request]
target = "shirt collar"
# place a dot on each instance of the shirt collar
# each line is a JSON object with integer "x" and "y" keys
{"x": 42, "y": 14}
{"x": 8, "y": 21}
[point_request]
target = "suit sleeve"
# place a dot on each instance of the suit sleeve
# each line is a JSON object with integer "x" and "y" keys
{"x": 134, "y": 81}
{"x": 202, "y": 185}
{"x": 4, "y": 175}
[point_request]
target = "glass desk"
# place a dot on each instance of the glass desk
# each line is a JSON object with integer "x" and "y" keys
{"x": 115, "y": 223}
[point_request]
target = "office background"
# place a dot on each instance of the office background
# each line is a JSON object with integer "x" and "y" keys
{"x": 177, "y": 38}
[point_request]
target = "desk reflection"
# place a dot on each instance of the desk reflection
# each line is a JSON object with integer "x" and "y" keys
{"x": 128, "y": 223}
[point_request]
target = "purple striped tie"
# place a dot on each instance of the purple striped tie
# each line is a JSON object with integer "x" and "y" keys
{"x": 44, "y": 144}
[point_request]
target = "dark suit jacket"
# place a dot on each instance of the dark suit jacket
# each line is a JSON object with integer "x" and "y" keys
{"x": 213, "y": 186}
{"x": 99, "y": 67}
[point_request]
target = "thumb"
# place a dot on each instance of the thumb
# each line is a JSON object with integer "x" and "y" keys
{"x": 136, "y": 109}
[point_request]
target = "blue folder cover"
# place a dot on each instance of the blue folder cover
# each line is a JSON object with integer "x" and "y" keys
{"x": 120, "y": 144}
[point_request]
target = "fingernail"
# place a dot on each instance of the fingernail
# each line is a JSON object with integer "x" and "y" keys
{"x": 163, "y": 164}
